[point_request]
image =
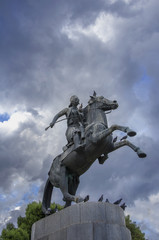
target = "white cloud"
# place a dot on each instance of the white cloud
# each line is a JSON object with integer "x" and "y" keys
{"x": 146, "y": 212}
{"x": 105, "y": 28}
{"x": 17, "y": 118}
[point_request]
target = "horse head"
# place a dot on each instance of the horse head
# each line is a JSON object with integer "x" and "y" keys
{"x": 102, "y": 103}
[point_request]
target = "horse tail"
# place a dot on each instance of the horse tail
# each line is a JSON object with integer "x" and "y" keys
{"x": 47, "y": 197}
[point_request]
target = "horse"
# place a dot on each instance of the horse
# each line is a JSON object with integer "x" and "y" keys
{"x": 68, "y": 166}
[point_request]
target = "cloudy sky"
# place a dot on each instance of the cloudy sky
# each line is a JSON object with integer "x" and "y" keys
{"x": 50, "y": 50}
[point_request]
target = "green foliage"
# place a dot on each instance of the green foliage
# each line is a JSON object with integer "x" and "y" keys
{"x": 136, "y": 233}
{"x": 10, "y": 226}
{"x": 33, "y": 213}
{"x": 12, "y": 233}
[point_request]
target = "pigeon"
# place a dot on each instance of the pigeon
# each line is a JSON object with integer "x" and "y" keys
{"x": 86, "y": 198}
{"x": 101, "y": 198}
{"x": 118, "y": 201}
{"x": 123, "y": 138}
{"x": 55, "y": 209}
{"x": 123, "y": 206}
{"x": 106, "y": 200}
{"x": 48, "y": 212}
{"x": 115, "y": 139}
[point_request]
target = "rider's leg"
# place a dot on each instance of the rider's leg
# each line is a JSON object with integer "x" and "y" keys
{"x": 77, "y": 140}
{"x": 82, "y": 132}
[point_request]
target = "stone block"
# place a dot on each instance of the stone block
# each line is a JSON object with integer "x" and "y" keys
{"x": 70, "y": 215}
{"x": 105, "y": 231}
{"x": 114, "y": 214}
{"x": 59, "y": 235}
{"x": 93, "y": 212}
{"x": 52, "y": 223}
{"x": 83, "y": 221}
{"x": 80, "y": 232}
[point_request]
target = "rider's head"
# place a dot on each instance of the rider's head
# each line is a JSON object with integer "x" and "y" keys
{"x": 74, "y": 101}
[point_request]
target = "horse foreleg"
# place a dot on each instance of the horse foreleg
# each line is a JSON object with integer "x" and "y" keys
{"x": 127, "y": 130}
{"x": 139, "y": 152}
{"x": 99, "y": 136}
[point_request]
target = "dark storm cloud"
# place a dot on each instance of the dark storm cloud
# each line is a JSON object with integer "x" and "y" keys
{"x": 33, "y": 43}
{"x": 16, "y": 153}
{"x": 24, "y": 47}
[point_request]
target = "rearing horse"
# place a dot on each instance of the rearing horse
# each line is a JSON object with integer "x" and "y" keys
{"x": 70, "y": 165}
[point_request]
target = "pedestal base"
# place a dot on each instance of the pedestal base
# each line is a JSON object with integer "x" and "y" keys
{"x": 83, "y": 221}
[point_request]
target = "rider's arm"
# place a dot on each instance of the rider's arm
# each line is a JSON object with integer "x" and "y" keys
{"x": 58, "y": 115}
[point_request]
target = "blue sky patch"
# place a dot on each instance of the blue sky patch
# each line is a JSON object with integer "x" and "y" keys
{"x": 4, "y": 117}
{"x": 2, "y": 197}
{"x": 35, "y": 189}
{"x": 142, "y": 87}
{"x": 32, "y": 192}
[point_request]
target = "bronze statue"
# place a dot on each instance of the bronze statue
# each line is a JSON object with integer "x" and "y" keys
{"x": 97, "y": 144}
{"x": 75, "y": 123}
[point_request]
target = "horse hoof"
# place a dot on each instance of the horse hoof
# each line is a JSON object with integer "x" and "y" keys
{"x": 131, "y": 133}
{"x": 79, "y": 199}
{"x": 141, "y": 154}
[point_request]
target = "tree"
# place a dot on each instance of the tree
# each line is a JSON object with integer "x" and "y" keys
{"x": 136, "y": 233}
{"x": 33, "y": 213}
{"x": 12, "y": 233}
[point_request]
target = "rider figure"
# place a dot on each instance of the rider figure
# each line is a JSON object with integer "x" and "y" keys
{"x": 75, "y": 128}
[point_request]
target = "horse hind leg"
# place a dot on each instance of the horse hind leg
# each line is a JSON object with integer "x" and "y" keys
{"x": 139, "y": 152}
{"x": 73, "y": 182}
{"x": 47, "y": 197}
{"x": 64, "y": 187}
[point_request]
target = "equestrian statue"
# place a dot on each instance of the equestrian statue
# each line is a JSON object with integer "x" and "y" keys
{"x": 89, "y": 138}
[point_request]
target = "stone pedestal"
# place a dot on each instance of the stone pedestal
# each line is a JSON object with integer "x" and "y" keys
{"x": 83, "y": 221}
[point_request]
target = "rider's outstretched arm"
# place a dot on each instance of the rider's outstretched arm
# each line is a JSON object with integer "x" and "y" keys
{"x": 58, "y": 115}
